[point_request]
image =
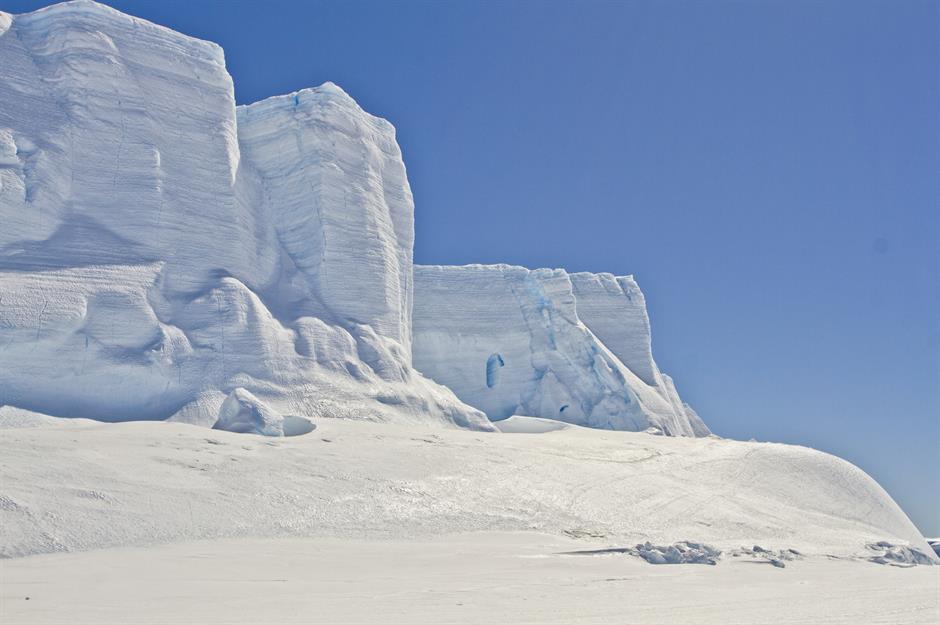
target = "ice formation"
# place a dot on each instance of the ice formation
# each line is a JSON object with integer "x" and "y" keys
{"x": 162, "y": 248}
{"x": 545, "y": 343}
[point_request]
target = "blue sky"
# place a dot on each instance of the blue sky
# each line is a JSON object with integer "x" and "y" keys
{"x": 768, "y": 170}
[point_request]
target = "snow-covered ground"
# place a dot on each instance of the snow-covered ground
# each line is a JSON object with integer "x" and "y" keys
{"x": 466, "y": 578}
{"x": 75, "y": 485}
{"x": 359, "y": 521}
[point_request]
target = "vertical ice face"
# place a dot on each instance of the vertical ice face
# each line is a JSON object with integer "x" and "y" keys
{"x": 159, "y": 250}
{"x": 551, "y": 361}
{"x": 334, "y": 183}
{"x": 615, "y": 310}
{"x": 125, "y": 129}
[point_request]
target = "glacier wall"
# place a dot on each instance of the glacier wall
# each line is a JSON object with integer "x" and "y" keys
{"x": 164, "y": 253}
{"x": 545, "y": 343}
{"x": 161, "y": 250}
{"x": 334, "y": 183}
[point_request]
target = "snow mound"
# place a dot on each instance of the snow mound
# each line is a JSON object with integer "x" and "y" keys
{"x": 899, "y": 555}
{"x": 517, "y": 424}
{"x": 569, "y": 347}
{"x": 683, "y": 552}
{"x": 679, "y": 553}
{"x": 149, "y": 482}
{"x": 243, "y": 412}
{"x": 13, "y": 418}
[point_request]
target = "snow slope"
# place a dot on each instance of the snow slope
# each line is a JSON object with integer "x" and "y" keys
{"x": 545, "y": 343}
{"x": 359, "y": 522}
{"x": 76, "y": 485}
{"x": 161, "y": 250}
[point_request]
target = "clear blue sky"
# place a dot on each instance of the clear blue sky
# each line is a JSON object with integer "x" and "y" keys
{"x": 769, "y": 170}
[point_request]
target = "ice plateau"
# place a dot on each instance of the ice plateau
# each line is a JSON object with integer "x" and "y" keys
{"x": 165, "y": 253}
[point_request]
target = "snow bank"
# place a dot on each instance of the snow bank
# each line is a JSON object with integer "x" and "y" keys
{"x": 243, "y": 412}
{"x": 133, "y": 484}
{"x": 530, "y": 425}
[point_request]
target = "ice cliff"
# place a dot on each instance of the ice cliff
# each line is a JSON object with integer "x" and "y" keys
{"x": 545, "y": 343}
{"x": 163, "y": 252}
{"x": 161, "y": 249}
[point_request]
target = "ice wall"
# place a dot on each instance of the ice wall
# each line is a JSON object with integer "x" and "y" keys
{"x": 510, "y": 340}
{"x": 334, "y": 183}
{"x": 160, "y": 251}
{"x": 121, "y": 147}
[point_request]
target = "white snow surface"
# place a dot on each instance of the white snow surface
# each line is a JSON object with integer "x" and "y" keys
{"x": 71, "y": 485}
{"x": 454, "y": 579}
{"x": 160, "y": 248}
{"x": 367, "y": 522}
{"x": 545, "y": 343}
{"x": 151, "y": 522}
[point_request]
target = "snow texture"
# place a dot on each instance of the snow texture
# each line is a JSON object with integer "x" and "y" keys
{"x": 467, "y": 579}
{"x": 397, "y": 518}
{"x": 161, "y": 248}
{"x": 545, "y": 343}
{"x": 134, "y": 484}
{"x": 243, "y": 412}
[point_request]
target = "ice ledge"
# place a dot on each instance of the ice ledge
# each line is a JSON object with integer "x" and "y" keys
{"x": 104, "y": 13}
{"x": 310, "y": 98}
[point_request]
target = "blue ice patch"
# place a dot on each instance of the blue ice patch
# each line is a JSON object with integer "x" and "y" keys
{"x": 493, "y": 364}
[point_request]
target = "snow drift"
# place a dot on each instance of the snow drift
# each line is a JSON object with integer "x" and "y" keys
{"x": 145, "y": 483}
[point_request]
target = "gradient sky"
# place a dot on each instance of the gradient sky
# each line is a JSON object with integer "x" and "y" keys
{"x": 769, "y": 170}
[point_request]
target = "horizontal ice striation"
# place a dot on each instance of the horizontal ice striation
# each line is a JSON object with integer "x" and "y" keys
{"x": 551, "y": 361}
{"x": 125, "y": 146}
{"x": 159, "y": 250}
{"x": 614, "y": 308}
